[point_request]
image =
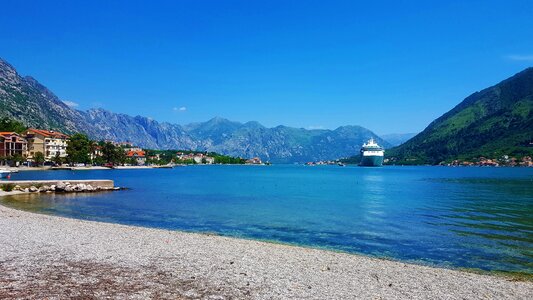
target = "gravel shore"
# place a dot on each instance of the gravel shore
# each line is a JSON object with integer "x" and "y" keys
{"x": 55, "y": 258}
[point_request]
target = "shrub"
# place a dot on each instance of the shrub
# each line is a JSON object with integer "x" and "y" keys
{"x": 8, "y": 187}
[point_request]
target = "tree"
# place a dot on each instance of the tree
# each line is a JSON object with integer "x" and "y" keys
{"x": 38, "y": 157}
{"x": 7, "y": 124}
{"x": 16, "y": 159}
{"x": 78, "y": 149}
{"x": 133, "y": 161}
{"x": 120, "y": 155}
{"x": 58, "y": 159}
{"x": 92, "y": 150}
{"x": 98, "y": 160}
{"x": 109, "y": 153}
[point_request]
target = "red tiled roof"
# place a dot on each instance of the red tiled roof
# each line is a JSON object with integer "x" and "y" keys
{"x": 6, "y": 134}
{"x": 135, "y": 153}
{"x": 49, "y": 133}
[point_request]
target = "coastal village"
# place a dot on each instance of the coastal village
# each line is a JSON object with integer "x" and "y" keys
{"x": 505, "y": 160}
{"x": 41, "y": 147}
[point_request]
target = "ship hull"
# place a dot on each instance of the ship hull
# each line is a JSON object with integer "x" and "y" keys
{"x": 371, "y": 161}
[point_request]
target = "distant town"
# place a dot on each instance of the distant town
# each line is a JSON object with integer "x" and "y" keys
{"x": 505, "y": 160}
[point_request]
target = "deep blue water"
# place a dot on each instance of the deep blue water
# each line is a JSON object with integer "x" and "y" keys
{"x": 454, "y": 217}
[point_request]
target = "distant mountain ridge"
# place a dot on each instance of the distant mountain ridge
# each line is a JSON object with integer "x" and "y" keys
{"x": 26, "y": 100}
{"x": 493, "y": 122}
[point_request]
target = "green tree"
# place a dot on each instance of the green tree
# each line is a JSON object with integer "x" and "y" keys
{"x": 99, "y": 161}
{"x": 38, "y": 157}
{"x": 109, "y": 153}
{"x": 7, "y": 124}
{"x": 78, "y": 149}
{"x": 120, "y": 156}
{"x": 132, "y": 161}
{"x": 16, "y": 159}
{"x": 58, "y": 159}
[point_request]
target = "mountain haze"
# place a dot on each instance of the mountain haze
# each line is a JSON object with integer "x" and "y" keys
{"x": 493, "y": 122}
{"x": 26, "y": 100}
{"x": 396, "y": 139}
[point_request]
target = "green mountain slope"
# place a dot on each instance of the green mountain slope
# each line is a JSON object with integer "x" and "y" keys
{"x": 493, "y": 122}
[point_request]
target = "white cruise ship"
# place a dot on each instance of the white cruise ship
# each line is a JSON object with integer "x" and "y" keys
{"x": 371, "y": 154}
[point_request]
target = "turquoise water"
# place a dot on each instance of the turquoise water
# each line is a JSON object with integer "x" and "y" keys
{"x": 455, "y": 217}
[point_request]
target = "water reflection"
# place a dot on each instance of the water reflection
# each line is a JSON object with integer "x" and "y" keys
{"x": 487, "y": 215}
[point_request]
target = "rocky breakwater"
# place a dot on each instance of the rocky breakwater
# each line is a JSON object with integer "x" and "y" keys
{"x": 65, "y": 187}
{"x": 78, "y": 186}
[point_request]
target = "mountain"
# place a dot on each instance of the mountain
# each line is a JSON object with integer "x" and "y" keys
{"x": 493, "y": 122}
{"x": 396, "y": 139}
{"x": 26, "y": 100}
{"x": 287, "y": 144}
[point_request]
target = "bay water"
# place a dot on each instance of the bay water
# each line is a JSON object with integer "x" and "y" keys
{"x": 475, "y": 218}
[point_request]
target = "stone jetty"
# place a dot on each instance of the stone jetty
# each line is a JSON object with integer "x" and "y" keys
{"x": 61, "y": 186}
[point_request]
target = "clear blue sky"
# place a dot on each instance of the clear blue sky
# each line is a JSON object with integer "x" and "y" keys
{"x": 390, "y": 66}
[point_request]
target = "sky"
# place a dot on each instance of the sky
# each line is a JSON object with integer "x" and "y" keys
{"x": 390, "y": 66}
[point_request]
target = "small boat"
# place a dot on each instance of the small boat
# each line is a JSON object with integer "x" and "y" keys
{"x": 4, "y": 173}
{"x": 341, "y": 164}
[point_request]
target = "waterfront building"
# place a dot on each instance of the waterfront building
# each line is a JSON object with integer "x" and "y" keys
{"x": 48, "y": 142}
{"x": 138, "y": 155}
{"x": 12, "y": 144}
{"x": 96, "y": 152}
{"x": 254, "y": 161}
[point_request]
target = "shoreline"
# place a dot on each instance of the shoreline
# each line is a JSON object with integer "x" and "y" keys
{"x": 98, "y": 168}
{"x": 45, "y": 255}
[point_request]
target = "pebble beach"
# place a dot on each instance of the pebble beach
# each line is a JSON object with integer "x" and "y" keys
{"x": 52, "y": 257}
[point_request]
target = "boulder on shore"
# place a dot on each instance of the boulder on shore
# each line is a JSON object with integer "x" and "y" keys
{"x": 60, "y": 186}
